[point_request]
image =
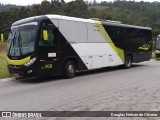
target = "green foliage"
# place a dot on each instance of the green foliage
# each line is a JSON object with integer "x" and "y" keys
{"x": 6, "y": 7}
{"x": 153, "y": 55}
{"x": 128, "y": 12}
{"x": 77, "y": 8}
{"x": 3, "y": 69}
{"x": 4, "y": 73}
{"x": 137, "y": 13}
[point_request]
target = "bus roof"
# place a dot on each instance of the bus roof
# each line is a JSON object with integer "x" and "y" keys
{"x": 104, "y": 22}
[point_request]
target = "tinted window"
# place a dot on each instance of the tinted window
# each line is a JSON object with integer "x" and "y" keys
{"x": 117, "y": 34}
{"x": 22, "y": 39}
{"x": 27, "y": 41}
{"x": 136, "y": 36}
{"x": 52, "y": 33}
{"x": 147, "y": 35}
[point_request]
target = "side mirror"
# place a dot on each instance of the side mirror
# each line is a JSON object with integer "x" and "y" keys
{"x": 2, "y": 37}
{"x": 45, "y": 35}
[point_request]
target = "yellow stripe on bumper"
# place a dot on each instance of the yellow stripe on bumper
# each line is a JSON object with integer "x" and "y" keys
{"x": 18, "y": 62}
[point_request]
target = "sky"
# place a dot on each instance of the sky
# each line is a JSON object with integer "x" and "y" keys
{"x": 30, "y": 2}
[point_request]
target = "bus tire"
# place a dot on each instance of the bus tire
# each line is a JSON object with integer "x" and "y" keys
{"x": 69, "y": 69}
{"x": 128, "y": 62}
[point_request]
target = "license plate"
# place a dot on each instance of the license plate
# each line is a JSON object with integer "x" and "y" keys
{"x": 16, "y": 75}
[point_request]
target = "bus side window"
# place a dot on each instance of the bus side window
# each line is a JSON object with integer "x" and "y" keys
{"x": 116, "y": 34}
{"x": 135, "y": 36}
{"x": 120, "y": 36}
{"x": 111, "y": 33}
{"x": 147, "y": 35}
{"x": 51, "y": 38}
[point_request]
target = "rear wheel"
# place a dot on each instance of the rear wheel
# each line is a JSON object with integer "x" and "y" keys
{"x": 69, "y": 69}
{"x": 128, "y": 62}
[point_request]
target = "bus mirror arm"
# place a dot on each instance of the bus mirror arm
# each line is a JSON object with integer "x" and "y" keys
{"x": 2, "y": 37}
{"x": 2, "y": 33}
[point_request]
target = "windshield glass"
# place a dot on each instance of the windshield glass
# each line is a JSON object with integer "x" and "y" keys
{"x": 26, "y": 41}
{"x": 22, "y": 39}
{"x": 158, "y": 42}
{"x": 12, "y": 42}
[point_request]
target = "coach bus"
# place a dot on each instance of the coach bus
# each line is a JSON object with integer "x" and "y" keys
{"x": 158, "y": 47}
{"x": 60, "y": 45}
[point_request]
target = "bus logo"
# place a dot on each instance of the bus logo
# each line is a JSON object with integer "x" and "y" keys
{"x": 145, "y": 47}
{"x": 6, "y": 114}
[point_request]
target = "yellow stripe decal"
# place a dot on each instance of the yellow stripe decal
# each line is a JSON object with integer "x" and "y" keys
{"x": 18, "y": 62}
{"x": 105, "y": 35}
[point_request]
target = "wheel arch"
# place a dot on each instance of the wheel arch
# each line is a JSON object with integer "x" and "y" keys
{"x": 131, "y": 55}
{"x": 74, "y": 59}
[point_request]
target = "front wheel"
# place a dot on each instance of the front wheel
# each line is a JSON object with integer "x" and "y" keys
{"x": 128, "y": 62}
{"x": 69, "y": 69}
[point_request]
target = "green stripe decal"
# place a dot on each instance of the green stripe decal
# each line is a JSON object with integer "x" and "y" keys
{"x": 145, "y": 47}
{"x": 18, "y": 62}
{"x": 105, "y": 35}
{"x": 157, "y": 51}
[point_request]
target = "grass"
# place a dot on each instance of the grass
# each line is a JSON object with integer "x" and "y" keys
{"x": 4, "y": 73}
{"x": 153, "y": 55}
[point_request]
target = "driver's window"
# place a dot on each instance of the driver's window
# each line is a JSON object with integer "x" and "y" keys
{"x": 51, "y": 38}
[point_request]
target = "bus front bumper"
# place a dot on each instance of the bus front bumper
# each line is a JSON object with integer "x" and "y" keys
{"x": 21, "y": 71}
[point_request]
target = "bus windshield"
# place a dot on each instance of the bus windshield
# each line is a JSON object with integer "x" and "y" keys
{"x": 158, "y": 42}
{"x": 22, "y": 39}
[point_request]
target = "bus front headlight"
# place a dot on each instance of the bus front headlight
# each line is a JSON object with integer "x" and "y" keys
{"x": 30, "y": 62}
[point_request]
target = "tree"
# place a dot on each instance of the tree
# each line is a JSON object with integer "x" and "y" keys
{"x": 94, "y": 2}
{"x": 77, "y": 8}
{"x": 45, "y": 7}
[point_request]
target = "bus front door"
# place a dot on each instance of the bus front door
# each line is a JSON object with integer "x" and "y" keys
{"x": 49, "y": 53}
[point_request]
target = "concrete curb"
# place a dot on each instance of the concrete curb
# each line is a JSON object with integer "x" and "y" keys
{"x": 7, "y": 79}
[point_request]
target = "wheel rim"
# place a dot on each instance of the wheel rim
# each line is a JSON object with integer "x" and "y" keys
{"x": 128, "y": 62}
{"x": 71, "y": 68}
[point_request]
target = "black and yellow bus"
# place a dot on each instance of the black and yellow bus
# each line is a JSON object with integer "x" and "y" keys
{"x": 60, "y": 45}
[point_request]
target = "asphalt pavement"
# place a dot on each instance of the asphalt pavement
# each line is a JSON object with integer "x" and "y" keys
{"x": 108, "y": 89}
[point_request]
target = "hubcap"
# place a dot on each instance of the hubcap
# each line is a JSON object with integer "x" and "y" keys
{"x": 128, "y": 63}
{"x": 71, "y": 68}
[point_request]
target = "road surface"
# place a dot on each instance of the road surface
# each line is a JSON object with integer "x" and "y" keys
{"x": 109, "y": 89}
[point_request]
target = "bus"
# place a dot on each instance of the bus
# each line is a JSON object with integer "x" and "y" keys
{"x": 158, "y": 47}
{"x": 60, "y": 45}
